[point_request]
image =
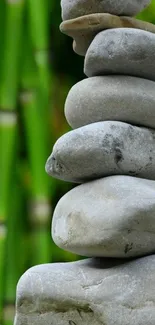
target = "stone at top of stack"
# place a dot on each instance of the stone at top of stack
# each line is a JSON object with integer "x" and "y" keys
{"x": 77, "y": 8}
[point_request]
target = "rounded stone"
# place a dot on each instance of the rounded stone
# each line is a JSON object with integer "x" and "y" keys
{"x": 119, "y": 98}
{"x": 85, "y": 28}
{"x": 122, "y": 51}
{"x": 88, "y": 292}
{"x": 76, "y": 8}
{"x": 103, "y": 149}
{"x": 110, "y": 217}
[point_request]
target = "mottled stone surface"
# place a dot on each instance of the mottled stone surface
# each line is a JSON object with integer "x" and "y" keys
{"x": 76, "y": 8}
{"x": 110, "y": 217}
{"x": 122, "y": 51}
{"x": 121, "y": 98}
{"x": 103, "y": 149}
{"x": 90, "y": 292}
{"x": 85, "y": 28}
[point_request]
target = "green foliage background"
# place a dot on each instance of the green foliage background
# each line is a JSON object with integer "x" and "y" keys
{"x": 37, "y": 69}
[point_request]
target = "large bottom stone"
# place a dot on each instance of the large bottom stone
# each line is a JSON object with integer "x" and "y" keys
{"x": 90, "y": 292}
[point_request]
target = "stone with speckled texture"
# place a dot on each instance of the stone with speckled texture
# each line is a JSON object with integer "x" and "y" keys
{"x": 125, "y": 51}
{"x": 103, "y": 149}
{"x": 76, "y": 8}
{"x": 109, "y": 217}
{"x": 89, "y": 292}
{"x": 120, "y": 98}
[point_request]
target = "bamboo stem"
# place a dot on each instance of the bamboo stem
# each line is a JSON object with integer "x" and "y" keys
{"x": 13, "y": 248}
{"x": 2, "y": 25}
{"x": 39, "y": 23}
{"x": 34, "y": 118}
{"x": 8, "y": 125}
{"x": 8, "y": 119}
{"x": 11, "y": 53}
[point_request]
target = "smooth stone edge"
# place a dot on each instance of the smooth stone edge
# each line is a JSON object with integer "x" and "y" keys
{"x": 113, "y": 79}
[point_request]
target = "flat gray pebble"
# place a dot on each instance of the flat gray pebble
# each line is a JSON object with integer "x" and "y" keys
{"x": 76, "y": 8}
{"x": 119, "y": 98}
{"x": 126, "y": 51}
{"x": 84, "y": 29}
{"x": 103, "y": 149}
{"x": 89, "y": 292}
{"x": 110, "y": 217}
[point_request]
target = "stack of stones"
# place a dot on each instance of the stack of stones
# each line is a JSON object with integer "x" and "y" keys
{"x": 110, "y": 217}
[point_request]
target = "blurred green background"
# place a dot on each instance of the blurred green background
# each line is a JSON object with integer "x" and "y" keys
{"x": 37, "y": 69}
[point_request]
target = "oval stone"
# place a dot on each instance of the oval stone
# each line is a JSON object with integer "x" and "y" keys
{"x": 110, "y": 217}
{"x": 119, "y": 98}
{"x": 88, "y": 292}
{"x": 103, "y": 149}
{"x": 76, "y": 8}
{"x": 122, "y": 51}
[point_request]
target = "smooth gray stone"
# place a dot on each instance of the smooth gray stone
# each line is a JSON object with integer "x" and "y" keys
{"x": 126, "y": 51}
{"x": 119, "y": 98}
{"x": 103, "y": 149}
{"x": 110, "y": 217}
{"x": 76, "y": 8}
{"x": 90, "y": 292}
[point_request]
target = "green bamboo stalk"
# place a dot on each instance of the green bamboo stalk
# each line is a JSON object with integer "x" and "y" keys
{"x": 2, "y": 257}
{"x": 37, "y": 145}
{"x": 8, "y": 118}
{"x": 8, "y": 95}
{"x": 23, "y": 176}
{"x": 8, "y": 127}
{"x": 39, "y": 19}
{"x": 13, "y": 247}
{"x": 2, "y": 226}
{"x": 11, "y": 53}
{"x": 39, "y": 29}
{"x": 2, "y": 22}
